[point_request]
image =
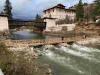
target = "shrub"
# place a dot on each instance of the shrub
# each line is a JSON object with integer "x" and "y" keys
{"x": 19, "y": 63}
{"x": 5, "y": 58}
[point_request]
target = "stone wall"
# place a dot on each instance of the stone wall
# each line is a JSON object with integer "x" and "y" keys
{"x": 52, "y": 26}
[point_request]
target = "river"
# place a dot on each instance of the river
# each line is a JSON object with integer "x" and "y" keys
{"x": 72, "y": 60}
{"x": 27, "y": 35}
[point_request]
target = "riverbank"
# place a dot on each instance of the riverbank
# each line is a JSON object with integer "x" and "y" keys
{"x": 89, "y": 41}
{"x": 30, "y": 55}
{"x": 56, "y": 59}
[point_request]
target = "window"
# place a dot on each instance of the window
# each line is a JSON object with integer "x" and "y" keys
{"x": 50, "y": 15}
{"x": 53, "y": 10}
{"x": 45, "y": 12}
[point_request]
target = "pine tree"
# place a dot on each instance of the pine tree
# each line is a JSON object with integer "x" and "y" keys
{"x": 7, "y": 9}
{"x": 79, "y": 11}
{"x": 97, "y": 8}
{"x": 38, "y": 17}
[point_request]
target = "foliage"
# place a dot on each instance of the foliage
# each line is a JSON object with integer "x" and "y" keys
{"x": 7, "y": 9}
{"x": 38, "y": 17}
{"x": 97, "y": 8}
{"x": 5, "y": 58}
{"x": 80, "y": 11}
{"x": 85, "y": 4}
{"x": 39, "y": 23}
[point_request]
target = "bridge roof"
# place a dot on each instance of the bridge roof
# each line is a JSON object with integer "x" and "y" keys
{"x": 3, "y": 15}
{"x": 17, "y": 20}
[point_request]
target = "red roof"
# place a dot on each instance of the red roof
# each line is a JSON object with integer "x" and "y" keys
{"x": 57, "y": 6}
{"x": 61, "y": 6}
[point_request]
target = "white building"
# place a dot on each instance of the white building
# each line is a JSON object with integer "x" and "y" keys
{"x": 4, "y": 23}
{"x": 58, "y": 17}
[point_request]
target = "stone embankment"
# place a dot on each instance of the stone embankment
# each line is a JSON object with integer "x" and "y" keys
{"x": 91, "y": 40}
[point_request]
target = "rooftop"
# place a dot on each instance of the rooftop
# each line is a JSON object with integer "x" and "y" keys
{"x": 61, "y": 6}
{"x": 3, "y": 15}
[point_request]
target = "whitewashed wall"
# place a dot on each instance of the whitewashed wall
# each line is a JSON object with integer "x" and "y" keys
{"x": 59, "y": 14}
{"x": 50, "y": 24}
{"x": 70, "y": 27}
{"x": 3, "y": 23}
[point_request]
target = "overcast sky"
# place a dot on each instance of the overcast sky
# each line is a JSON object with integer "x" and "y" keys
{"x": 27, "y": 9}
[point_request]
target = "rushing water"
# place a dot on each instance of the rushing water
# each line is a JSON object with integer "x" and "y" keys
{"x": 72, "y": 60}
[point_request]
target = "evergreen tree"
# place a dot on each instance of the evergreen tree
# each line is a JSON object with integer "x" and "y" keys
{"x": 38, "y": 17}
{"x": 97, "y": 8}
{"x": 7, "y": 9}
{"x": 80, "y": 11}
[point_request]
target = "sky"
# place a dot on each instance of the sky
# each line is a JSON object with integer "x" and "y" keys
{"x": 27, "y": 9}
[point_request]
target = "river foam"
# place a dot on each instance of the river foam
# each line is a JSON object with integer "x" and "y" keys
{"x": 62, "y": 61}
{"x": 76, "y": 58}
